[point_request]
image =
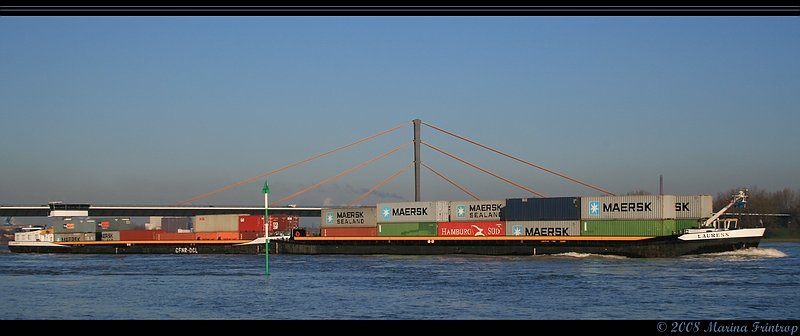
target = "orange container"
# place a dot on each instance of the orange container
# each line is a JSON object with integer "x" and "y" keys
{"x": 221, "y": 235}
{"x": 177, "y": 236}
{"x": 129, "y": 235}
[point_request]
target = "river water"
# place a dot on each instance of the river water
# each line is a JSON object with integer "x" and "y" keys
{"x": 761, "y": 283}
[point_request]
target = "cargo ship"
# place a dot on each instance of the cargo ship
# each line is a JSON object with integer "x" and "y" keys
{"x": 215, "y": 234}
{"x": 632, "y": 226}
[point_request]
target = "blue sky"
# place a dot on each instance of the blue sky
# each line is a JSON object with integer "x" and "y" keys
{"x": 156, "y": 110}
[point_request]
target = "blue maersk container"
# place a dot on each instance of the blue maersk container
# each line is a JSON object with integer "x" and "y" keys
{"x": 542, "y": 209}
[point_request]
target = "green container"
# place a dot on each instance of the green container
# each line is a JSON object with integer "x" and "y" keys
{"x": 683, "y": 224}
{"x": 423, "y": 229}
{"x": 648, "y": 228}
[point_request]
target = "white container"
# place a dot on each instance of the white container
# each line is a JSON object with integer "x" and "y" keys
{"x": 348, "y": 217}
{"x": 476, "y": 211}
{"x": 216, "y": 223}
{"x": 694, "y": 207}
{"x": 628, "y": 207}
{"x": 543, "y": 228}
{"x": 413, "y": 212}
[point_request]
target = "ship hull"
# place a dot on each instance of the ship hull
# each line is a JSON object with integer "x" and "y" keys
{"x": 140, "y": 248}
{"x": 636, "y": 247}
{"x": 660, "y": 247}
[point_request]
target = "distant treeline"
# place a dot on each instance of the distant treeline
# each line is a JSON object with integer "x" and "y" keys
{"x": 770, "y": 203}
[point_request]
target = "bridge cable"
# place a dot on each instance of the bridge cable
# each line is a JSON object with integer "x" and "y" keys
{"x": 348, "y": 171}
{"x": 452, "y": 182}
{"x": 381, "y": 184}
{"x": 520, "y": 160}
{"x": 291, "y": 165}
{"x": 483, "y": 170}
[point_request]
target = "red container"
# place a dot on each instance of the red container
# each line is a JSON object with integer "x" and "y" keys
{"x": 251, "y": 223}
{"x": 222, "y": 235}
{"x": 128, "y": 235}
{"x": 280, "y": 223}
{"x": 250, "y": 235}
{"x": 177, "y": 236}
{"x": 283, "y": 223}
{"x": 350, "y": 232}
{"x": 476, "y": 229}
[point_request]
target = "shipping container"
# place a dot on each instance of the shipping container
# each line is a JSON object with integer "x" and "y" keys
{"x": 277, "y": 223}
{"x": 250, "y": 235}
{"x": 75, "y": 237}
{"x": 177, "y": 236}
{"x": 251, "y": 223}
{"x": 407, "y": 229}
{"x": 471, "y": 229}
{"x": 74, "y": 225}
{"x": 477, "y": 211}
{"x": 542, "y": 209}
{"x": 214, "y": 223}
{"x": 413, "y": 212}
{"x": 231, "y": 235}
{"x": 628, "y": 207}
{"x": 174, "y": 224}
{"x": 348, "y": 217}
{"x": 349, "y": 231}
{"x": 683, "y": 224}
{"x": 136, "y": 235}
{"x": 693, "y": 207}
{"x": 154, "y": 224}
{"x": 108, "y": 235}
{"x": 654, "y": 227}
{"x": 283, "y": 223}
{"x": 115, "y": 224}
{"x": 543, "y": 228}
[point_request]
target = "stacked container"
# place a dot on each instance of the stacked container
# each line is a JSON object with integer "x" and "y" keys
{"x": 552, "y": 216}
{"x": 74, "y": 237}
{"x": 214, "y": 223}
{"x": 639, "y": 215}
{"x": 691, "y": 211}
{"x": 251, "y": 223}
{"x": 474, "y": 219}
{"x": 348, "y": 222}
{"x": 175, "y": 224}
{"x": 74, "y": 225}
{"x": 177, "y": 236}
{"x": 108, "y": 235}
{"x": 283, "y": 224}
{"x": 411, "y": 218}
{"x": 154, "y": 223}
{"x": 133, "y": 235}
{"x": 218, "y": 235}
{"x": 74, "y": 229}
{"x": 114, "y": 224}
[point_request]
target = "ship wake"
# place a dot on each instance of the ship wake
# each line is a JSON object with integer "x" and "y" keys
{"x": 748, "y": 253}
{"x": 588, "y": 255}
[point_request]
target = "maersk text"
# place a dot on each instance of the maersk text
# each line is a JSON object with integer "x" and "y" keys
{"x": 410, "y": 212}
{"x": 627, "y": 207}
